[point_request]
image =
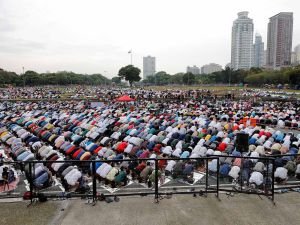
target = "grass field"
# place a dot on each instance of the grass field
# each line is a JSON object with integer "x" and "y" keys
{"x": 217, "y": 89}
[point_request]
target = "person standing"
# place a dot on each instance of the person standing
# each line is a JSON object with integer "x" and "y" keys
{"x": 5, "y": 177}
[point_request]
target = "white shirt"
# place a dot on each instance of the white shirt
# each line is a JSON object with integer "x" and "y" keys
{"x": 257, "y": 178}
{"x": 281, "y": 172}
{"x": 177, "y": 152}
{"x": 170, "y": 165}
{"x": 234, "y": 172}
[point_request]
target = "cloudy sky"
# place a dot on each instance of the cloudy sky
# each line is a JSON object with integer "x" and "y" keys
{"x": 94, "y": 36}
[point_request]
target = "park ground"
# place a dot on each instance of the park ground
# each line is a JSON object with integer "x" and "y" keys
{"x": 182, "y": 210}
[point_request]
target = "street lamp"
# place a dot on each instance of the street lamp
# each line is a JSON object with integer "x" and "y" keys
{"x": 130, "y": 52}
{"x": 23, "y": 77}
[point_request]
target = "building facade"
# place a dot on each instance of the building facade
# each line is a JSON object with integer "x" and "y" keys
{"x": 242, "y": 42}
{"x": 210, "y": 68}
{"x": 259, "y": 54}
{"x": 265, "y": 58}
{"x": 297, "y": 55}
{"x": 149, "y": 66}
{"x": 193, "y": 69}
{"x": 280, "y": 37}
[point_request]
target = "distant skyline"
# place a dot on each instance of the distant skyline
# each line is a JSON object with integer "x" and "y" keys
{"x": 93, "y": 36}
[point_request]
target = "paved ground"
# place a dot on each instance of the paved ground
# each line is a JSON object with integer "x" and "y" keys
{"x": 181, "y": 210}
{"x": 241, "y": 209}
{"x": 17, "y": 213}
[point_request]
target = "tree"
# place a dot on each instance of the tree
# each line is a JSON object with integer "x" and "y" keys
{"x": 177, "y": 78}
{"x": 31, "y": 78}
{"x": 8, "y": 78}
{"x": 130, "y": 73}
{"x": 294, "y": 76}
{"x": 255, "y": 70}
{"x": 188, "y": 78}
{"x": 116, "y": 80}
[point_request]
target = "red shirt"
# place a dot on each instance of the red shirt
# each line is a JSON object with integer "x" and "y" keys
{"x": 141, "y": 166}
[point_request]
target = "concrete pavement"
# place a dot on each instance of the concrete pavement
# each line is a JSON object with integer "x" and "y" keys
{"x": 179, "y": 210}
{"x": 187, "y": 210}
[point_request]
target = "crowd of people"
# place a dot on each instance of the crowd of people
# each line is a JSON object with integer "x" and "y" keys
{"x": 30, "y": 93}
{"x": 189, "y": 132}
{"x": 110, "y": 93}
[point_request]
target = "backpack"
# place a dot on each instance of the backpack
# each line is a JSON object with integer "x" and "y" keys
{"x": 42, "y": 197}
{"x": 27, "y": 195}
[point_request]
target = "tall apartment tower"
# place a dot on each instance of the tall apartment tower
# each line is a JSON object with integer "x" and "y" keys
{"x": 242, "y": 42}
{"x": 148, "y": 66}
{"x": 280, "y": 37}
{"x": 258, "y": 52}
{"x": 297, "y": 54}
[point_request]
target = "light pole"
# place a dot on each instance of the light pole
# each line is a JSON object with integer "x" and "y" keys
{"x": 23, "y": 77}
{"x": 130, "y": 52}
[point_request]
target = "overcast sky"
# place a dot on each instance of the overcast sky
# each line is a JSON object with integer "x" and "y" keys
{"x": 95, "y": 36}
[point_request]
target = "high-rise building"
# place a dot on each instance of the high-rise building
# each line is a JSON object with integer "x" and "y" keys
{"x": 258, "y": 52}
{"x": 148, "y": 66}
{"x": 242, "y": 42}
{"x": 265, "y": 58}
{"x": 280, "y": 37}
{"x": 210, "y": 68}
{"x": 297, "y": 55}
{"x": 193, "y": 69}
{"x": 294, "y": 59}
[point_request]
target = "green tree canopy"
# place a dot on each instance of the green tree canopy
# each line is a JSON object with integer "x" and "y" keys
{"x": 188, "y": 78}
{"x": 116, "y": 80}
{"x": 130, "y": 74}
{"x": 32, "y": 78}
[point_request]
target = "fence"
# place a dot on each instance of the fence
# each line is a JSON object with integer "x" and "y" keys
{"x": 258, "y": 179}
{"x": 292, "y": 182}
{"x": 165, "y": 176}
{"x": 11, "y": 189}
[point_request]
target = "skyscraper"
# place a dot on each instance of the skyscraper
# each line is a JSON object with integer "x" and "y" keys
{"x": 280, "y": 37}
{"x": 294, "y": 59}
{"x": 258, "y": 52}
{"x": 148, "y": 66}
{"x": 297, "y": 54}
{"x": 242, "y": 42}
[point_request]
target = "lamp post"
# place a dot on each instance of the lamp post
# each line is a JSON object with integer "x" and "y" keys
{"x": 130, "y": 52}
{"x": 23, "y": 77}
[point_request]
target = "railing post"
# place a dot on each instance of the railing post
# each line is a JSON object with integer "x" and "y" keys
{"x": 30, "y": 181}
{"x": 156, "y": 180}
{"x": 273, "y": 177}
{"x": 218, "y": 176}
{"x": 206, "y": 177}
{"x": 241, "y": 174}
{"x": 94, "y": 181}
{"x": 267, "y": 180}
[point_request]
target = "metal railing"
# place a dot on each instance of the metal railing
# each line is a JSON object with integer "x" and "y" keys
{"x": 187, "y": 176}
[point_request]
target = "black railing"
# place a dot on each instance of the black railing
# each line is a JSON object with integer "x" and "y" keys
{"x": 187, "y": 176}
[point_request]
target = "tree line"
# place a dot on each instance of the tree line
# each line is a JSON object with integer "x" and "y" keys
{"x": 32, "y": 78}
{"x": 131, "y": 74}
{"x": 253, "y": 77}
